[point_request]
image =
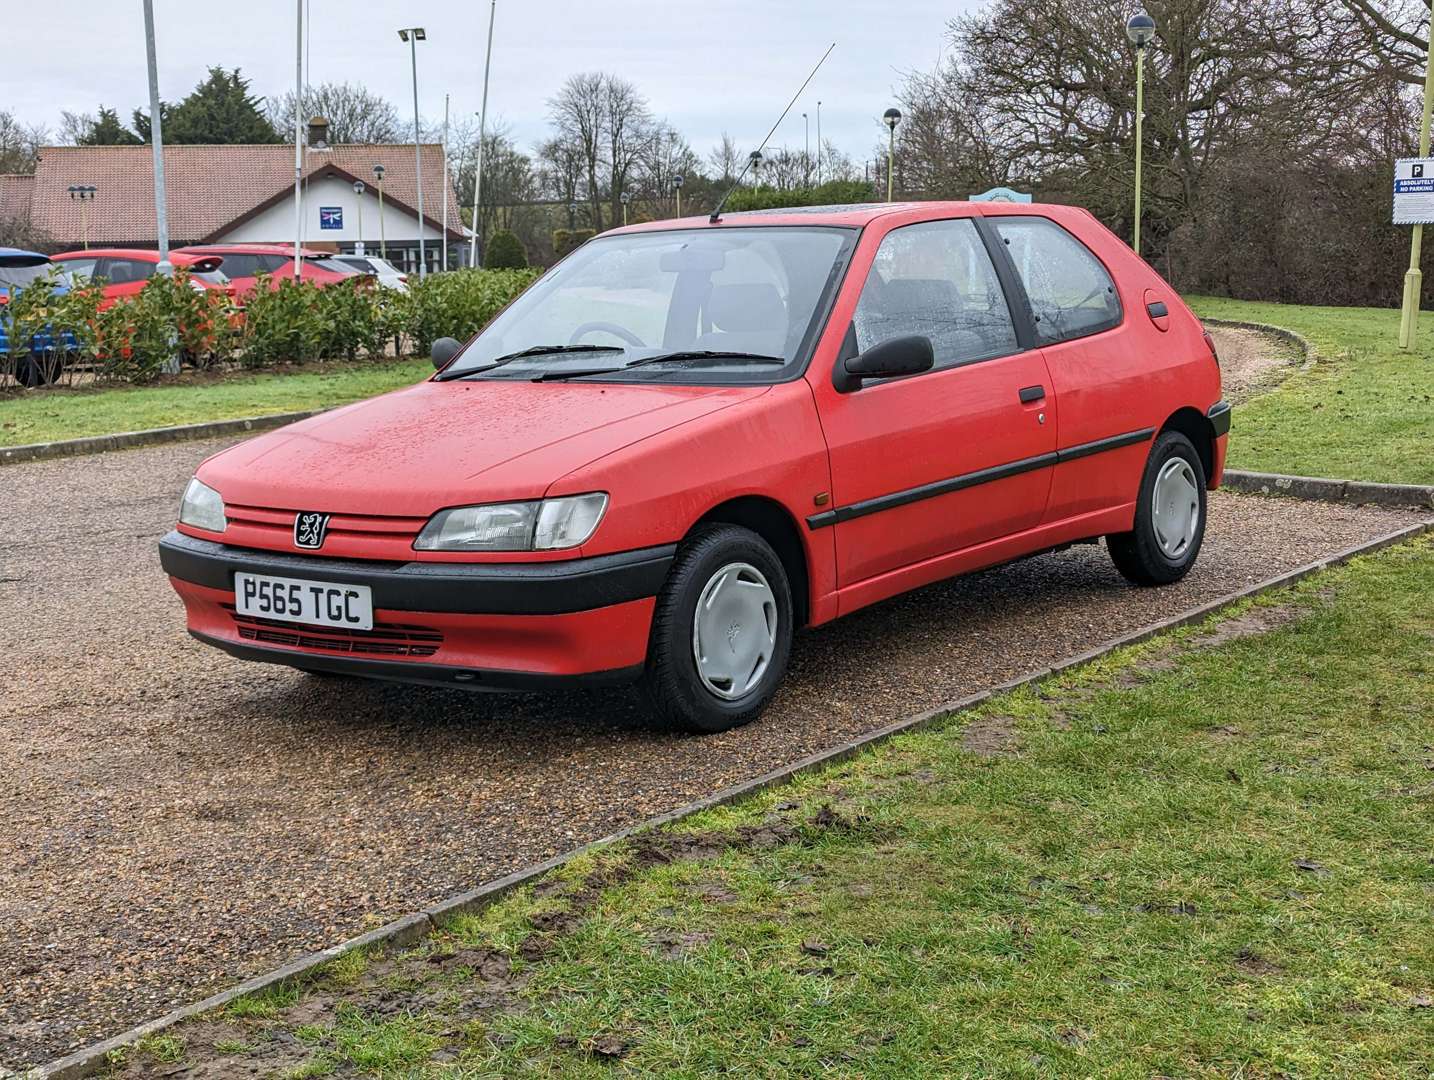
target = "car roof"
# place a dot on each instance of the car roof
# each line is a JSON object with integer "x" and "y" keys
{"x": 255, "y": 249}
{"x": 848, "y": 215}
{"x": 179, "y": 258}
{"x": 21, "y": 257}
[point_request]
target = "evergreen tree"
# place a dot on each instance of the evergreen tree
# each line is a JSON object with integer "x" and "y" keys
{"x": 219, "y": 110}
{"x": 106, "y": 130}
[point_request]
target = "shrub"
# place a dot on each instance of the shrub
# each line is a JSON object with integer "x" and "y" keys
{"x": 832, "y": 193}
{"x": 505, "y": 252}
{"x": 565, "y": 240}
{"x": 458, "y": 304}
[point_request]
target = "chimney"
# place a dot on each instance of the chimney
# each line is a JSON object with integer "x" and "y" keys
{"x": 318, "y": 133}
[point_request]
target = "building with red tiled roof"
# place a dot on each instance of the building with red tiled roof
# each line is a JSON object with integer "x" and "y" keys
{"x": 239, "y": 194}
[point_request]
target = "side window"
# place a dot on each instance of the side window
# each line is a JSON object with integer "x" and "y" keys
{"x": 270, "y": 264}
{"x": 127, "y": 271}
{"x": 80, "y": 268}
{"x": 240, "y": 265}
{"x": 1071, "y": 293}
{"x": 936, "y": 279}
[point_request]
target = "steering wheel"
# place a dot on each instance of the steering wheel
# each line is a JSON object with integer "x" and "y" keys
{"x": 607, "y": 328}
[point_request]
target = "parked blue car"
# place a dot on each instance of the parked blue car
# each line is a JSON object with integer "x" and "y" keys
{"x": 19, "y": 269}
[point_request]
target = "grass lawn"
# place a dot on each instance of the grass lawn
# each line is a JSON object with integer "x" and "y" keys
{"x": 1208, "y": 855}
{"x": 1364, "y": 412}
{"x": 64, "y": 413}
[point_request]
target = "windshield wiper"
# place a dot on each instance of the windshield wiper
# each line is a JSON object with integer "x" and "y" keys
{"x": 689, "y": 354}
{"x": 707, "y": 354}
{"x": 535, "y": 350}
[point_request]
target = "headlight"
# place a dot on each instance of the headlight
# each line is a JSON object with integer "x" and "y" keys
{"x": 202, "y": 507}
{"x": 546, "y": 525}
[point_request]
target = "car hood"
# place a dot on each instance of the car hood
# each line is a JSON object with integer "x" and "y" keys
{"x": 439, "y": 444}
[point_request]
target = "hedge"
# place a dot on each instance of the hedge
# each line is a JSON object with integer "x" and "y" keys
{"x": 54, "y": 337}
{"x": 505, "y": 252}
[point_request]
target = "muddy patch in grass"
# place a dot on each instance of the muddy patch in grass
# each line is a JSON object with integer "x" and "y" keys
{"x": 990, "y": 736}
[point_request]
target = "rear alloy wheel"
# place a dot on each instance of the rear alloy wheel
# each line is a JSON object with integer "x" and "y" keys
{"x": 721, "y": 632}
{"x": 1169, "y": 516}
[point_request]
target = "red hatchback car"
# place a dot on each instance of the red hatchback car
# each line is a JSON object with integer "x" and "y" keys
{"x": 691, "y": 438}
{"x": 243, "y": 263}
{"x": 126, "y": 271}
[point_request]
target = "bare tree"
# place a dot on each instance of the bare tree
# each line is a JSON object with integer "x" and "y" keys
{"x": 726, "y": 159}
{"x": 355, "y": 114}
{"x": 20, "y": 144}
{"x": 579, "y": 113}
{"x": 1397, "y": 31}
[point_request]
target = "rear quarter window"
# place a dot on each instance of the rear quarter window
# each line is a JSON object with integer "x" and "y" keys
{"x": 1072, "y": 294}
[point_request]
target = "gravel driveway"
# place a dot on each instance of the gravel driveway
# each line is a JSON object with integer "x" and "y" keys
{"x": 175, "y": 820}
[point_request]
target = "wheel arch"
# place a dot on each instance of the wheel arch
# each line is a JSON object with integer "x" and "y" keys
{"x": 771, "y": 521}
{"x": 1196, "y": 427}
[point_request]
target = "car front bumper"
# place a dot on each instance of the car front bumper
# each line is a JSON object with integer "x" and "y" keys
{"x": 483, "y": 626}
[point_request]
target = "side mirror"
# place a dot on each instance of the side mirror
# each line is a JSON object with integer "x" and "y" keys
{"x": 890, "y": 359}
{"x": 444, "y": 350}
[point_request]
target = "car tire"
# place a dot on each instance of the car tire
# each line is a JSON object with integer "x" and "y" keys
{"x": 1169, "y": 516}
{"x": 717, "y": 671}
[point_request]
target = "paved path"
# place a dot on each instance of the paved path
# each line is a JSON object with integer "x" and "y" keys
{"x": 174, "y": 820}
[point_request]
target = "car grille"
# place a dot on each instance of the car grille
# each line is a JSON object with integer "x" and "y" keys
{"x": 385, "y": 639}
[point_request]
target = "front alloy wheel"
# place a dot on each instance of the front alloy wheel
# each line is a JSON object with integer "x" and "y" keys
{"x": 721, "y": 631}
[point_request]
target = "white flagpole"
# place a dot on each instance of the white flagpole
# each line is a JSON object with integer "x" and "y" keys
{"x": 445, "y": 181}
{"x": 299, "y": 139}
{"x": 482, "y": 132}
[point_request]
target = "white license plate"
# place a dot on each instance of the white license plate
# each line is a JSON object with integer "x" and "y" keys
{"x": 318, "y": 603}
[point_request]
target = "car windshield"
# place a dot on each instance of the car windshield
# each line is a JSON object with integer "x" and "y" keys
{"x": 213, "y": 277}
{"x": 338, "y": 266}
{"x": 730, "y": 304}
{"x": 18, "y": 274}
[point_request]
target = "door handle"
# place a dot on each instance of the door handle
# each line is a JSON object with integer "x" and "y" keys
{"x": 1032, "y": 393}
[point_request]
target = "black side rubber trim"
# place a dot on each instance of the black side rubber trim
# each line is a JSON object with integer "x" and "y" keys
{"x": 972, "y": 479}
{"x": 458, "y": 678}
{"x": 1219, "y": 417}
{"x": 1100, "y": 446}
{"x": 555, "y": 588}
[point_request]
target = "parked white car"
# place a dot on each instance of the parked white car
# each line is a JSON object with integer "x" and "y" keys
{"x": 389, "y": 276}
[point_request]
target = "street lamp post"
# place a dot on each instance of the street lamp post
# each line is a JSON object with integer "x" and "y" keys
{"x": 1141, "y": 31}
{"x": 413, "y": 35}
{"x": 891, "y": 118}
{"x": 382, "y": 238}
{"x": 84, "y": 194}
{"x": 807, "y": 151}
{"x": 482, "y": 134}
{"x": 359, "y": 188}
{"x": 755, "y": 157}
{"x": 677, "y": 187}
{"x": 626, "y": 198}
{"x": 572, "y": 216}
{"x": 156, "y": 138}
{"x": 819, "y": 143}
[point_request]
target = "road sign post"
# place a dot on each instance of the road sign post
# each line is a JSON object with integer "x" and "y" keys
{"x": 1413, "y": 280}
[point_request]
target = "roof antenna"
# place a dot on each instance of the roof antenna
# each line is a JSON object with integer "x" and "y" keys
{"x": 757, "y": 156}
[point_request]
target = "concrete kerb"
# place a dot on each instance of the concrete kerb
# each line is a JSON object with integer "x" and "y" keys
{"x": 1319, "y": 489}
{"x": 126, "y": 440}
{"x": 412, "y": 927}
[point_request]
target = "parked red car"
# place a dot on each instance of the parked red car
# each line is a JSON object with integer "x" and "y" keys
{"x": 126, "y": 270}
{"x": 243, "y": 263}
{"x": 691, "y": 438}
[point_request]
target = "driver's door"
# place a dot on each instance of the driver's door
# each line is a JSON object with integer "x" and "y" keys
{"x": 932, "y": 463}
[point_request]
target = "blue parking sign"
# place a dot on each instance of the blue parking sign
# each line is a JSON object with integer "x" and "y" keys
{"x": 331, "y": 217}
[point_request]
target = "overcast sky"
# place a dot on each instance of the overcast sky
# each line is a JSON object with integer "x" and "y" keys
{"x": 708, "y": 67}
